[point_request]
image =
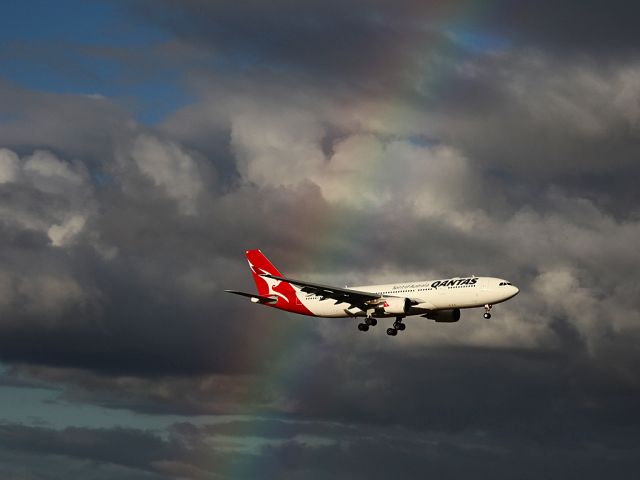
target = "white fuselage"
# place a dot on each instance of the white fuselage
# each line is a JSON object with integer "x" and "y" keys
{"x": 430, "y": 295}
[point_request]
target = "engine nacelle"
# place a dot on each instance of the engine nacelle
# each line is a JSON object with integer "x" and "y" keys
{"x": 396, "y": 306}
{"x": 445, "y": 316}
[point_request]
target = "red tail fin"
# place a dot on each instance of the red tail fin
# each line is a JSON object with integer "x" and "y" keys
{"x": 259, "y": 264}
{"x": 284, "y": 292}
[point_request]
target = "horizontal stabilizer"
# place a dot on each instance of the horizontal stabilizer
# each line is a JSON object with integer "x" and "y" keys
{"x": 255, "y": 298}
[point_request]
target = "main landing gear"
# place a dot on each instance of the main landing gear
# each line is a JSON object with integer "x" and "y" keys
{"x": 368, "y": 322}
{"x": 487, "y": 310}
{"x": 397, "y": 325}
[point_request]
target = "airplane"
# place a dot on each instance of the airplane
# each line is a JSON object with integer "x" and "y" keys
{"x": 438, "y": 300}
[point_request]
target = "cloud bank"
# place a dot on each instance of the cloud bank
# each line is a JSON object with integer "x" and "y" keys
{"x": 353, "y": 143}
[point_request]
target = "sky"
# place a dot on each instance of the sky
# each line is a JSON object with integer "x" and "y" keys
{"x": 146, "y": 144}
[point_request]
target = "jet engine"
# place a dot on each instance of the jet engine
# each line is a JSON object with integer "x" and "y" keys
{"x": 444, "y": 316}
{"x": 396, "y": 306}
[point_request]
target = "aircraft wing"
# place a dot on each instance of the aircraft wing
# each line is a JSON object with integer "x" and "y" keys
{"x": 355, "y": 298}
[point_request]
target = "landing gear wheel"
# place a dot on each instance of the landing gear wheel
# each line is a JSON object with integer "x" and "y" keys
{"x": 487, "y": 309}
{"x": 363, "y": 327}
{"x": 487, "y": 315}
{"x": 399, "y": 326}
{"x": 392, "y": 332}
{"x": 371, "y": 321}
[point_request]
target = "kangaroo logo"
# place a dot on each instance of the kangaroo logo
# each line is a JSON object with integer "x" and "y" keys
{"x": 272, "y": 283}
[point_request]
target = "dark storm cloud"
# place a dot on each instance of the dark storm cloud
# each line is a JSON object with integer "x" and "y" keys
{"x": 551, "y": 107}
{"x": 383, "y": 39}
{"x": 591, "y": 27}
{"x": 379, "y": 459}
{"x": 354, "y": 143}
{"x": 121, "y": 452}
{"x": 189, "y": 451}
{"x": 337, "y": 38}
{"x": 78, "y": 125}
{"x": 114, "y": 285}
{"x": 525, "y": 119}
{"x": 121, "y": 446}
{"x": 146, "y": 288}
{"x": 18, "y": 464}
{"x": 81, "y": 298}
{"x": 549, "y": 398}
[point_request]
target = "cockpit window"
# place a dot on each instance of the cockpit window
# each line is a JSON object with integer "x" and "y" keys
{"x": 504, "y": 283}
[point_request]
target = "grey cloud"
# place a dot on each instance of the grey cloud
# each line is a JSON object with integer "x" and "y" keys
{"x": 144, "y": 227}
{"x": 86, "y": 443}
{"x": 193, "y": 394}
{"x": 379, "y": 459}
{"x": 336, "y": 38}
{"x": 342, "y": 453}
{"x": 519, "y": 163}
{"x": 526, "y": 121}
{"x": 125, "y": 452}
{"x": 548, "y": 397}
{"x": 593, "y": 27}
{"x": 74, "y": 292}
{"x": 397, "y": 47}
{"x": 83, "y": 126}
{"x": 22, "y": 465}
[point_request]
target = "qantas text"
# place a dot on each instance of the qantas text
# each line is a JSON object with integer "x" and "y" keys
{"x": 454, "y": 282}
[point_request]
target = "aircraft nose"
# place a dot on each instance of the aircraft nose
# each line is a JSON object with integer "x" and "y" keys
{"x": 516, "y": 290}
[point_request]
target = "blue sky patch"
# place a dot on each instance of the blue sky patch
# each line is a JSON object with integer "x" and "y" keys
{"x": 97, "y": 49}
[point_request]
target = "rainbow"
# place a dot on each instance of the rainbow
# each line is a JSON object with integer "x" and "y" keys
{"x": 284, "y": 341}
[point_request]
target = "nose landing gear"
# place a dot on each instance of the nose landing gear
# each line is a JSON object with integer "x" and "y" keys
{"x": 487, "y": 310}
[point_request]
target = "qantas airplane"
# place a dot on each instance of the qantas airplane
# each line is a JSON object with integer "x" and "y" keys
{"x": 439, "y": 300}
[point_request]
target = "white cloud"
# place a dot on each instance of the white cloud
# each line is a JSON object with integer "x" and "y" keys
{"x": 44, "y": 171}
{"x": 369, "y": 172}
{"x": 170, "y": 168}
{"x": 627, "y": 94}
{"x": 57, "y": 196}
{"x": 364, "y": 170}
{"x": 560, "y": 292}
{"x": 62, "y": 234}
{"x": 277, "y": 148}
{"x": 9, "y": 166}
